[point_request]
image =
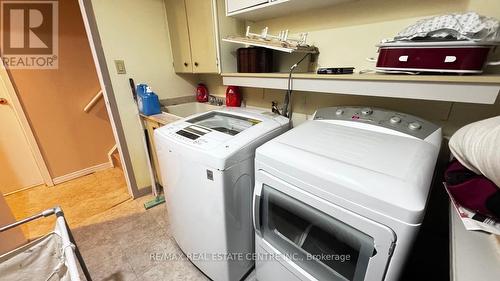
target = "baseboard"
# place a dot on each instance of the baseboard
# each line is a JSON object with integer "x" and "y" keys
{"x": 82, "y": 173}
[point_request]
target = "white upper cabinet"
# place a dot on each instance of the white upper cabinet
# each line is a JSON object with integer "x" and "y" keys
{"x": 193, "y": 28}
{"x": 196, "y": 28}
{"x": 255, "y": 10}
{"x": 179, "y": 35}
{"x": 236, "y": 5}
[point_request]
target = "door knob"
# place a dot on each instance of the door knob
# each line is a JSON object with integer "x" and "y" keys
{"x": 3, "y": 101}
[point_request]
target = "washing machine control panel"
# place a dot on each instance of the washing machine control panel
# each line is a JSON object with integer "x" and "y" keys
{"x": 401, "y": 122}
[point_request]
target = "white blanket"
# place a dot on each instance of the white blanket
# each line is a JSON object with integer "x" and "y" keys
{"x": 465, "y": 26}
{"x": 477, "y": 147}
{"x": 35, "y": 261}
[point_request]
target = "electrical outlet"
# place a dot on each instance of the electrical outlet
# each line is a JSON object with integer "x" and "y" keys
{"x": 120, "y": 67}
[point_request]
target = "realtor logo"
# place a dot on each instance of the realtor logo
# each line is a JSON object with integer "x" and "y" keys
{"x": 29, "y": 34}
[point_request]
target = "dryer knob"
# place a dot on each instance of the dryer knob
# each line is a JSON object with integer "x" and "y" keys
{"x": 366, "y": 111}
{"x": 395, "y": 120}
{"x": 339, "y": 112}
{"x": 414, "y": 126}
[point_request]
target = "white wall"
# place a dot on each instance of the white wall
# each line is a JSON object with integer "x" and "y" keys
{"x": 137, "y": 32}
{"x": 346, "y": 34}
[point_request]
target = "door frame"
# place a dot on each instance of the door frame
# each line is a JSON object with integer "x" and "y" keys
{"x": 25, "y": 126}
{"x": 103, "y": 74}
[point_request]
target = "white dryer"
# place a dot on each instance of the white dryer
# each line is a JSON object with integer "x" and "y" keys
{"x": 342, "y": 197}
{"x": 207, "y": 166}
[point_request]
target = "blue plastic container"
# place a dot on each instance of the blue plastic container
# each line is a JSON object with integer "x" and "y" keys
{"x": 147, "y": 100}
{"x": 141, "y": 89}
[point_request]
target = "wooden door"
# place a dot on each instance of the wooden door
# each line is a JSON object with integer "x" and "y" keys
{"x": 179, "y": 35}
{"x": 201, "y": 23}
{"x": 18, "y": 168}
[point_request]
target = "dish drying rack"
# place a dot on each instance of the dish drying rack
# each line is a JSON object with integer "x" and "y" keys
{"x": 281, "y": 42}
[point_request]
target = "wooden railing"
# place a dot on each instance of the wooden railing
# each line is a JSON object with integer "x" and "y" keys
{"x": 93, "y": 101}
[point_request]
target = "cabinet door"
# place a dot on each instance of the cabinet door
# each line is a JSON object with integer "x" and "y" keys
{"x": 235, "y": 5}
{"x": 179, "y": 35}
{"x": 201, "y": 22}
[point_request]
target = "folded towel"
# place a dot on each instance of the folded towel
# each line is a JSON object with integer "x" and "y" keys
{"x": 466, "y": 26}
{"x": 474, "y": 192}
{"x": 477, "y": 147}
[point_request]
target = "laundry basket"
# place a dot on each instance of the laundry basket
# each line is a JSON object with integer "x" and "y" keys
{"x": 51, "y": 257}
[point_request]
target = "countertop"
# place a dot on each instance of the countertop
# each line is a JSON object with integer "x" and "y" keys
{"x": 165, "y": 118}
{"x": 161, "y": 118}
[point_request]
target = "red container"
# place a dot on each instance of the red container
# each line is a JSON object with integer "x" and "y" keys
{"x": 202, "y": 93}
{"x": 233, "y": 96}
{"x": 446, "y": 56}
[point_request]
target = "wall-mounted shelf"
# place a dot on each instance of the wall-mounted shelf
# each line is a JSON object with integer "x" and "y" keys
{"x": 271, "y": 45}
{"x": 482, "y": 89}
{"x": 277, "y": 8}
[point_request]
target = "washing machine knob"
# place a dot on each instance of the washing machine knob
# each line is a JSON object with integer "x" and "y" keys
{"x": 339, "y": 112}
{"x": 395, "y": 120}
{"x": 366, "y": 111}
{"x": 414, "y": 126}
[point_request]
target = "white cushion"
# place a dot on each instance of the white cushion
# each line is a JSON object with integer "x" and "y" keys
{"x": 477, "y": 147}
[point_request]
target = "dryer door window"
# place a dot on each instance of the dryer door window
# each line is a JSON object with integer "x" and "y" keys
{"x": 323, "y": 246}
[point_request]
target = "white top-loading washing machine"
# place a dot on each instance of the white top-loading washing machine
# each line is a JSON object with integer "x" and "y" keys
{"x": 207, "y": 167}
{"x": 342, "y": 197}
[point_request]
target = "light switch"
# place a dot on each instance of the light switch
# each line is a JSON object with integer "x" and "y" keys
{"x": 120, "y": 67}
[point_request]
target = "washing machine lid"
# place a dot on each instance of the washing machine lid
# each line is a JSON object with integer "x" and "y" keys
{"x": 224, "y": 122}
{"x": 386, "y": 173}
{"x": 222, "y": 137}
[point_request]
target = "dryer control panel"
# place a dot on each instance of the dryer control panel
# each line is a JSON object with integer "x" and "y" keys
{"x": 401, "y": 122}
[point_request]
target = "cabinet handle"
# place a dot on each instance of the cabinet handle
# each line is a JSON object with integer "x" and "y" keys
{"x": 185, "y": 64}
{"x": 195, "y": 64}
{"x": 3, "y": 101}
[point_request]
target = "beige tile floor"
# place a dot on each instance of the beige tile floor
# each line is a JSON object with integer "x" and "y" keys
{"x": 119, "y": 243}
{"x": 115, "y": 234}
